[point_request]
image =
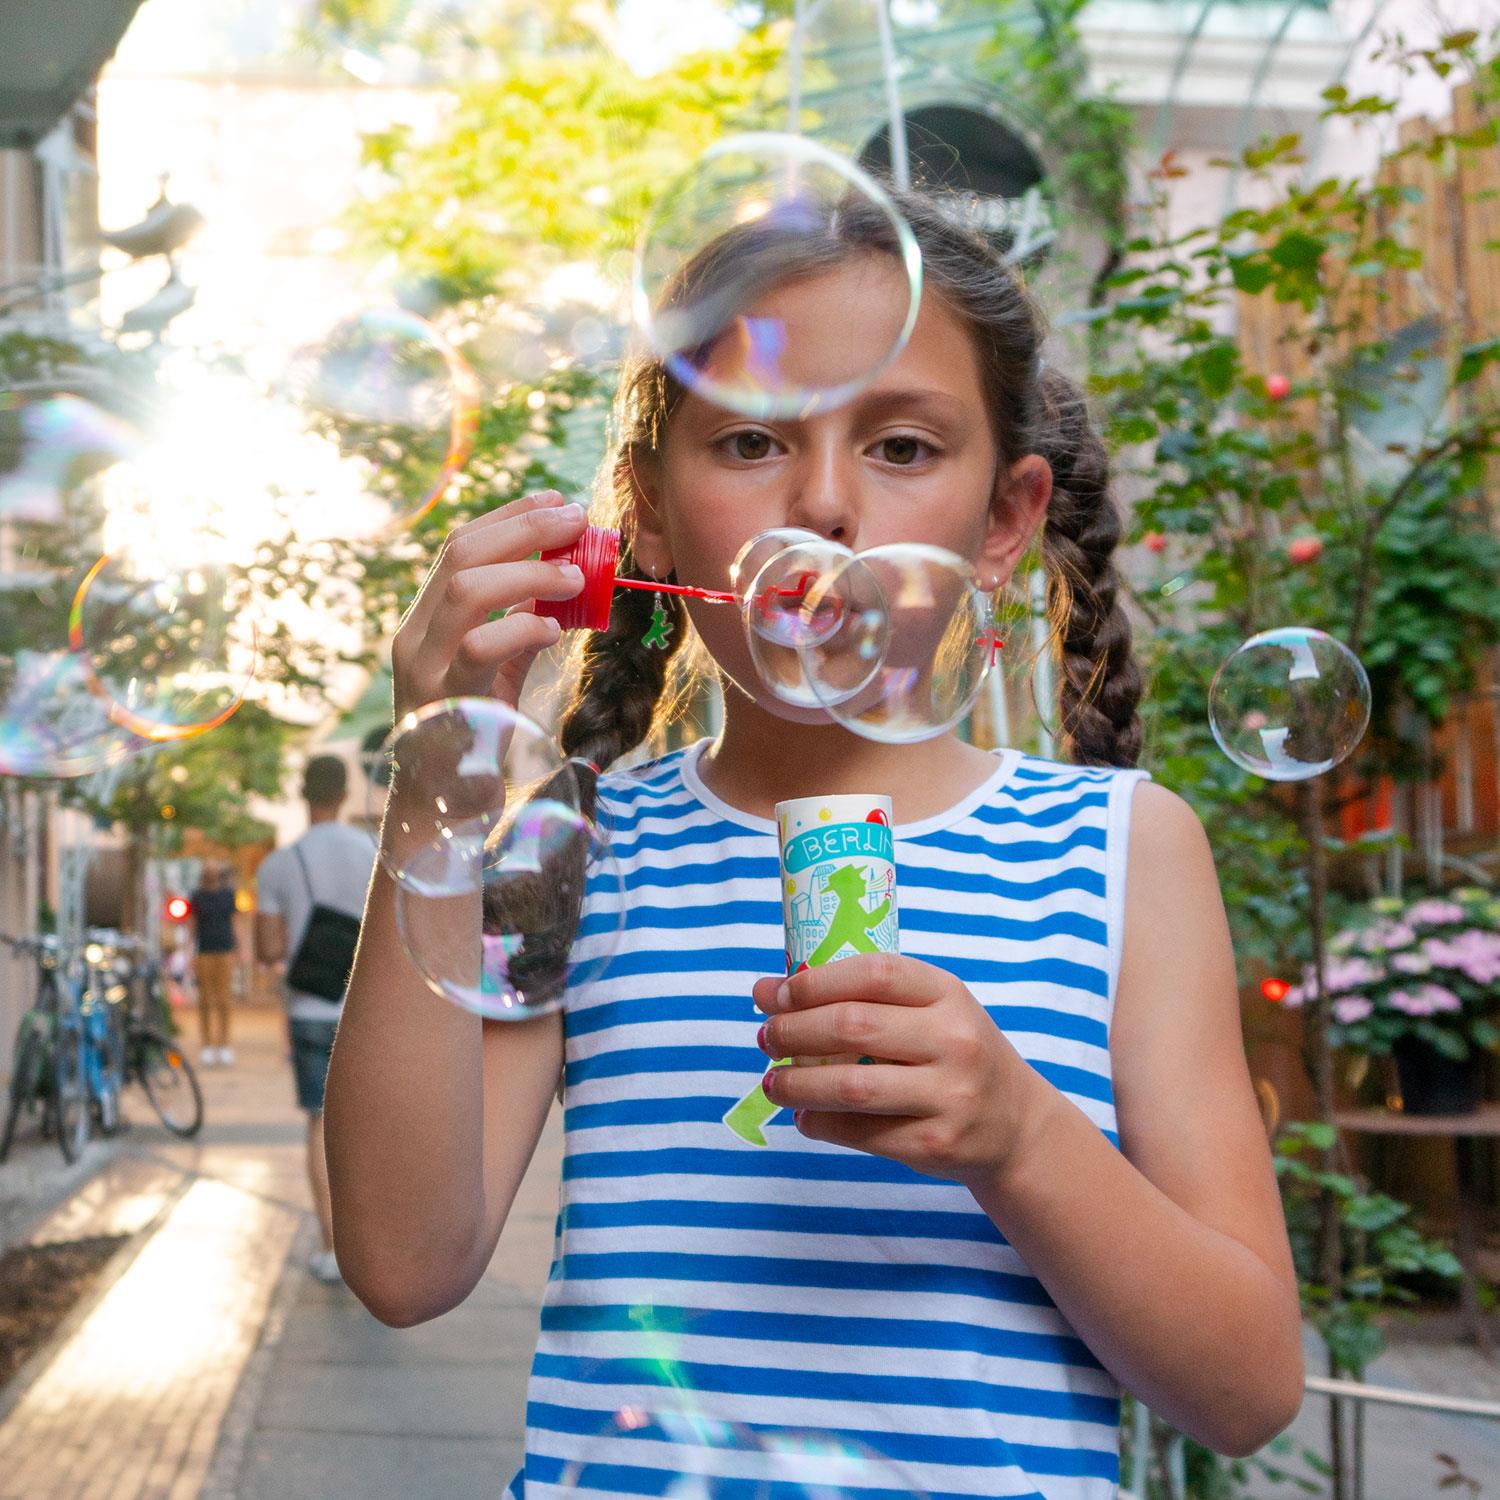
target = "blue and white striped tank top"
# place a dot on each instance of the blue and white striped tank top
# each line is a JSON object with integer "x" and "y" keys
{"x": 803, "y": 1285}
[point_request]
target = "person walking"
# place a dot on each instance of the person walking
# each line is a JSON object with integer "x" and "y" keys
{"x": 308, "y": 900}
{"x": 212, "y": 908}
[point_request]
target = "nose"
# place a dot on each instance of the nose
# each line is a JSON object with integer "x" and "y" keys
{"x": 825, "y": 496}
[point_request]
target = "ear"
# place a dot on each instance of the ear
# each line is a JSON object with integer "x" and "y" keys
{"x": 641, "y": 468}
{"x": 1019, "y": 507}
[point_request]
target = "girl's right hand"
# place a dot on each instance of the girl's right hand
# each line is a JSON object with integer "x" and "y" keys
{"x": 448, "y": 646}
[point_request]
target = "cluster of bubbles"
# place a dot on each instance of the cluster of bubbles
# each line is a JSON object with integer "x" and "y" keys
{"x": 689, "y": 1455}
{"x": 153, "y": 639}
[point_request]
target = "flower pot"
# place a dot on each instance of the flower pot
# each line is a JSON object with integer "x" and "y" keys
{"x": 1432, "y": 1084}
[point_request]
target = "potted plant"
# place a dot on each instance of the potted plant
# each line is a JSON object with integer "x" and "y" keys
{"x": 1419, "y": 980}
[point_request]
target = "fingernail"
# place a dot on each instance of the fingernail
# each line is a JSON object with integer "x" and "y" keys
{"x": 760, "y": 1038}
{"x": 768, "y": 1081}
{"x": 554, "y": 626}
{"x": 797, "y": 1117}
{"x": 783, "y": 995}
{"x": 572, "y": 511}
{"x": 572, "y": 572}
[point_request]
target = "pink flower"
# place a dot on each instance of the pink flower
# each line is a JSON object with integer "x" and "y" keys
{"x": 1425, "y": 1000}
{"x": 1351, "y": 1008}
{"x": 1433, "y": 913}
{"x": 1474, "y": 953}
{"x": 1384, "y": 936}
{"x": 1350, "y": 974}
{"x": 1411, "y": 963}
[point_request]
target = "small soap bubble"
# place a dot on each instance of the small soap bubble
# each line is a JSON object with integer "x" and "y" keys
{"x": 774, "y": 597}
{"x": 812, "y": 1465}
{"x": 1289, "y": 704}
{"x": 749, "y": 284}
{"x": 171, "y": 653}
{"x": 49, "y": 447}
{"x": 913, "y": 642}
{"x": 504, "y": 930}
{"x": 455, "y": 771}
{"x": 402, "y": 407}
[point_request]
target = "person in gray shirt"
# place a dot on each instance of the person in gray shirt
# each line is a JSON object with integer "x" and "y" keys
{"x": 330, "y": 865}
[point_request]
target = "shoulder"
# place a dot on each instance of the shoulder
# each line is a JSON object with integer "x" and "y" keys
{"x": 1164, "y": 832}
{"x": 271, "y": 867}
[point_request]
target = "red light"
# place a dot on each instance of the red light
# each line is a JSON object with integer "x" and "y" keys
{"x": 1275, "y": 990}
{"x": 178, "y": 908}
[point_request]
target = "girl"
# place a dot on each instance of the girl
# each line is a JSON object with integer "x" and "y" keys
{"x": 1055, "y": 1183}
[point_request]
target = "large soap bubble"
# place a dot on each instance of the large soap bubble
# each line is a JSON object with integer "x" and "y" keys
{"x": 52, "y": 724}
{"x": 172, "y": 653}
{"x": 812, "y": 1465}
{"x": 400, "y": 403}
{"x": 746, "y": 283}
{"x": 1289, "y": 704}
{"x": 49, "y": 447}
{"x": 495, "y": 927}
{"x": 458, "y": 769}
{"x": 912, "y": 643}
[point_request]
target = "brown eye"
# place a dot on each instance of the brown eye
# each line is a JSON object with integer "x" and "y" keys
{"x": 902, "y": 450}
{"x": 751, "y": 445}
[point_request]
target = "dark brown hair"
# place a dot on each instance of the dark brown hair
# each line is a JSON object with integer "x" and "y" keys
{"x": 623, "y": 689}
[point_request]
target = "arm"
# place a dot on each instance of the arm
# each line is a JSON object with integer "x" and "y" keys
{"x": 270, "y": 937}
{"x": 1183, "y": 1285}
{"x": 1169, "y": 1257}
{"x": 432, "y": 1115}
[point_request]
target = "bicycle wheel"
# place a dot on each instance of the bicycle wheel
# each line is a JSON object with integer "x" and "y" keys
{"x": 25, "y": 1079}
{"x": 70, "y": 1090}
{"x": 169, "y": 1081}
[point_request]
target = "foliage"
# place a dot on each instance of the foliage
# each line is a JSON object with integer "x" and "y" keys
{"x": 1350, "y": 499}
{"x": 1381, "y": 1252}
{"x": 1427, "y": 968}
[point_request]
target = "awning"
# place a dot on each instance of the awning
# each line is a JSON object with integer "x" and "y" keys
{"x": 50, "y": 51}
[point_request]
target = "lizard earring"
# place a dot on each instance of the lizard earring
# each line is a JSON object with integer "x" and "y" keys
{"x": 658, "y": 633}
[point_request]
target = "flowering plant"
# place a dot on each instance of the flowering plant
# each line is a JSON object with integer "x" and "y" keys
{"x": 1428, "y": 968}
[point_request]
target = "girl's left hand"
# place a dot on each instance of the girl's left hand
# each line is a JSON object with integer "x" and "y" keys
{"x": 948, "y": 1096}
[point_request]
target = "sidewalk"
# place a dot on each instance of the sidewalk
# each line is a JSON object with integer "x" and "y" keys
{"x": 208, "y": 1361}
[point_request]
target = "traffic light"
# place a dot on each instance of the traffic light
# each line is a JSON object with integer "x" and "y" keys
{"x": 178, "y": 908}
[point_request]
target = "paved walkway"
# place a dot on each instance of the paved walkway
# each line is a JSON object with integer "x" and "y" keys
{"x": 208, "y": 1362}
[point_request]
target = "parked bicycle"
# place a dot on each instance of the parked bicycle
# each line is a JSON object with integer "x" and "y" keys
{"x": 48, "y": 1073}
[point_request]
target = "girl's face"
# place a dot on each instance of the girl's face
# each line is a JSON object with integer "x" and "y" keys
{"x": 911, "y": 458}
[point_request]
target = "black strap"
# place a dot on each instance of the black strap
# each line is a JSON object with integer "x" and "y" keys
{"x": 312, "y": 900}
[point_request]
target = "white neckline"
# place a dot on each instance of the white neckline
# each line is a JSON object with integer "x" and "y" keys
{"x": 1007, "y": 759}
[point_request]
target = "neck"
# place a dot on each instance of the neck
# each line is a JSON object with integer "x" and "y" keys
{"x": 316, "y": 815}
{"x": 760, "y": 759}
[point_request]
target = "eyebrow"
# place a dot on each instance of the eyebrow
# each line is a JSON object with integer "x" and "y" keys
{"x": 876, "y": 404}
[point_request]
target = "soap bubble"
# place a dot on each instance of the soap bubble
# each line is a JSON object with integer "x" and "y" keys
{"x": 52, "y": 724}
{"x": 912, "y": 645}
{"x": 735, "y": 283}
{"x": 172, "y": 653}
{"x": 1289, "y": 704}
{"x": 400, "y": 403}
{"x": 809, "y": 1465}
{"x": 494, "y": 926}
{"x": 49, "y": 447}
{"x": 773, "y": 576}
{"x": 674, "y": 1454}
{"x": 455, "y": 768}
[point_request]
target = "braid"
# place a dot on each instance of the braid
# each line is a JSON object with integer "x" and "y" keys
{"x": 1101, "y": 681}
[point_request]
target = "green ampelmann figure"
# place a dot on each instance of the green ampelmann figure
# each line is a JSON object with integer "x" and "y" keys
{"x": 851, "y": 923}
{"x": 660, "y": 628}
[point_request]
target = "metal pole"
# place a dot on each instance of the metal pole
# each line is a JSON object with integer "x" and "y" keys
{"x": 900, "y": 160}
{"x": 1044, "y": 686}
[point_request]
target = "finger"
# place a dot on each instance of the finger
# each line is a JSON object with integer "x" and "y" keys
{"x": 864, "y": 1028}
{"x": 427, "y": 598}
{"x": 476, "y": 593}
{"x": 888, "y": 977}
{"x": 490, "y": 646}
{"x": 853, "y": 1088}
{"x": 890, "y": 1136}
{"x": 534, "y": 524}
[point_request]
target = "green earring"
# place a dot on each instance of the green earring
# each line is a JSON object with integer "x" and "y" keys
{"x": 658, "y": 633}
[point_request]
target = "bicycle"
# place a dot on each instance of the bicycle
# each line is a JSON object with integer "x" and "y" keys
{"x": 49, "y": 1058}
{"x": 152, "y": 1057}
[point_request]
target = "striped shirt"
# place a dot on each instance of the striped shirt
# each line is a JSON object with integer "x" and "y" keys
{"x": 803, "y": 1285}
